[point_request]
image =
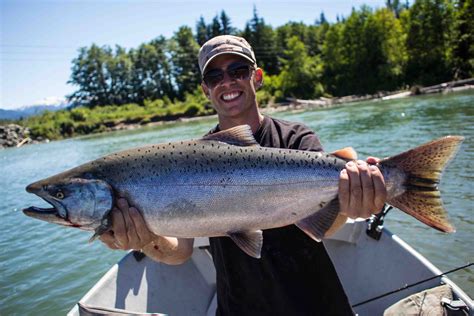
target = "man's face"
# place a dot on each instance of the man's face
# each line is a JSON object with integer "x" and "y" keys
{"x": 232, "y": 98}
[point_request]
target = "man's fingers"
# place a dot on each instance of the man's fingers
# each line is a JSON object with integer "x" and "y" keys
{"x": 109, "y": 240}
{"x": 367, "y": 189}
{"x": 380, "y": 192}
{"x": 355, "y": 201}
{"x": 122, "y": 204}
{"x": 344, "y": 191}
{"x": 143, "y": 233}
{"x": 120, "y": 229}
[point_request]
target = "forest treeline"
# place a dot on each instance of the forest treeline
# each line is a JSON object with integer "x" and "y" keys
{"x": 369, "y": 51}
{"x": 386, "y": 49}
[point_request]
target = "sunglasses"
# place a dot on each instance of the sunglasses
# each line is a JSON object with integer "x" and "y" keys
{"x": 235, "y": 71}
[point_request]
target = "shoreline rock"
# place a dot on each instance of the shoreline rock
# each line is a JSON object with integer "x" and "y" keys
{"x": 13, "y": 135}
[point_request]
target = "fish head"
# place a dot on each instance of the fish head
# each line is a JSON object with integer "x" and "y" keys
{"x": 76, "y": 202}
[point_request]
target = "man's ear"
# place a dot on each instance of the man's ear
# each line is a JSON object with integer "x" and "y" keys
{"x": 205, "y": 89}
{"x": 258, "y": 77}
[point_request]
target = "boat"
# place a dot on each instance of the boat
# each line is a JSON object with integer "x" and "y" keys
{"x": 384, "y": 271}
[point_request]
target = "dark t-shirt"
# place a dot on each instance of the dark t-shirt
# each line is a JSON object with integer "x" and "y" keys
{"x": 295, "y": 275}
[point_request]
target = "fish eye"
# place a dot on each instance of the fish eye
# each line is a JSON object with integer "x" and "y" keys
{"x": 59, "y": 195}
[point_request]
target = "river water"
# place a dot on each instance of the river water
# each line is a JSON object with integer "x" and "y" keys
{"x": 45, "y": 269}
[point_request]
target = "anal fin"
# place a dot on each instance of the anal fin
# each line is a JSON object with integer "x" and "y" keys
{"x": 249, "y": 241}
{"x": 318, "y": 225}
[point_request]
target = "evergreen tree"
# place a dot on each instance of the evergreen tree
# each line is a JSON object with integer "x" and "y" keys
{"x": 262, "y": 38}
{"x": 201, "y": 31}
{"x": 428, "y": 30}
{"x": 216, "y": 29}
{"x": 226, "y": 27}
{"x": 462, "y": 40}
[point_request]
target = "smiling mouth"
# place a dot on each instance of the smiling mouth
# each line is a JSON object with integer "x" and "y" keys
{"x": 231, "y": 96}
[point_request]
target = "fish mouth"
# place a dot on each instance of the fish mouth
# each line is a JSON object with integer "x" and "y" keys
{"x": 50, "y": 215}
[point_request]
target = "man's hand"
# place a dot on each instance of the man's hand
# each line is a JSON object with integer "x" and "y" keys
{"x": 362, "y": 189}
{"x": 129, "y": 231}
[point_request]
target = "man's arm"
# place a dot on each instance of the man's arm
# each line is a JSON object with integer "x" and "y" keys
{"x": 129, "y": 231}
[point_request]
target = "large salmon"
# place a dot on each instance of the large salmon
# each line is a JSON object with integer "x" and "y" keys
{"x": 226, "y": 185}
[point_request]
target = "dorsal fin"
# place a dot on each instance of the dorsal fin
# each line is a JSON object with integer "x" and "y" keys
{"x": 347, "y": 153}
{"x": 240, "y": 135}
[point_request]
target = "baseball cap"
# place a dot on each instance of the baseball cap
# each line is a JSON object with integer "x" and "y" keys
{"x": 224, "y": 44}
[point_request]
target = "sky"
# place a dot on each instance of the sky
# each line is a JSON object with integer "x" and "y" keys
{"x": 40, "y": 38}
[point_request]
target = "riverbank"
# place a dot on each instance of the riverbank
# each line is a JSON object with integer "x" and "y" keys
{"x": 84, "y": 121}
{"x": 14, "y": 135}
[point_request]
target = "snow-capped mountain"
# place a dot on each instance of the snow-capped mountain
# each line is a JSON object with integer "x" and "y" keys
{"x": 47, "y": 104}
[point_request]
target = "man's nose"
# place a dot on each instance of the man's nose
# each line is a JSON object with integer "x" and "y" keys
{"x": 227, "y": 79}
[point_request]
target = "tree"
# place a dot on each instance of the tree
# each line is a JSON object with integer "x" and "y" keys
{"x": 461, "y": 52}
{"x": 262, "y": 38}
{"x": 90, "y": 74}
{"x": 151, "y": 72}
{"x": 215, "y": 27}
{"x": 301, "y": 74}
{"x": 226, "y": 27}
{"x": 184, "y": 50}
{"x": 428, "y": 29}
{"x": 119, "y": 72}
{"x": 201, "y": 31}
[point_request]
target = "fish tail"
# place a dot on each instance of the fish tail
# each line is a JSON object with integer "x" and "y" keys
{"x": 423, "y": 166}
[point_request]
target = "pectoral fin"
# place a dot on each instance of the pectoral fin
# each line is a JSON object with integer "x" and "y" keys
{"x": 249, "y": 241}
{"x": 317, "y": 225}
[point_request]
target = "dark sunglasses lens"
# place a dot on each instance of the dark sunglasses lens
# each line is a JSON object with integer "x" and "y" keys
{"x": 240, "y": 72}
{"x": 235, "y": 71}
{"x": 213, "y": 77}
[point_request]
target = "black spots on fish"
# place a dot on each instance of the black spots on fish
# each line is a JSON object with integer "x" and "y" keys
{"x": 194, "y": 151}
{"x": 138, "y": 150}
{"x": 181, "y": 142}
{"x": 321, "y": 205}
{"x": 189, "y": 144}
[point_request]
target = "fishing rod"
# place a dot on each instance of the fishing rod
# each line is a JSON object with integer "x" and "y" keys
{"x": 407, "y": 286}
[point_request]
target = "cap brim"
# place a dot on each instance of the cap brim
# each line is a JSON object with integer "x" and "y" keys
{"x": 224, "y": 53}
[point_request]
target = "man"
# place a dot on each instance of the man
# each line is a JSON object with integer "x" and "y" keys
{"x": 294, "y": 275}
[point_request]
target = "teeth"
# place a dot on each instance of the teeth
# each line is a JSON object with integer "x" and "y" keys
{"x": 230, "y": 96}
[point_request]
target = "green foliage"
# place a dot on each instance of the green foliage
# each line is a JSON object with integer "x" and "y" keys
{"x": 84, "y": 120}
{"x": 184, "y": 50}
{"x": 301, "y": 73}
{"x": 262, "y": 39}
{"x": 428, "y": 31}
{"x": 461, "y": 44}
{"x": 429, "y": 42}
